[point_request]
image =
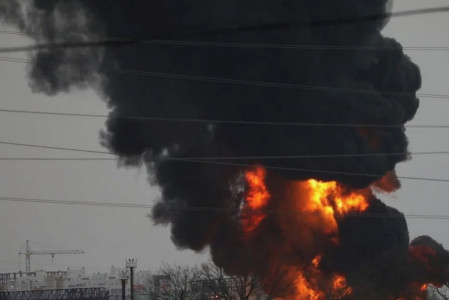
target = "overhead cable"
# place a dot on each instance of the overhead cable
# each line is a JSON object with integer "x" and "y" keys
{"x": 276, "y": 45}
{"x": 254, "y": 157}
{"x": 313, "y": 171}
{"x": 218, "y": 121}
{"x": 209, "y": 209}
{"x": 254, "y": 83}
{"x": 114, "y": 42}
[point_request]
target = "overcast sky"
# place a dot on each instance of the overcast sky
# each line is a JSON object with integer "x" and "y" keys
{"x": 109, "y": 235}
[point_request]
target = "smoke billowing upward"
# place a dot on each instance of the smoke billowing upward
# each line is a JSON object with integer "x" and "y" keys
{"x": 309, "y": 249}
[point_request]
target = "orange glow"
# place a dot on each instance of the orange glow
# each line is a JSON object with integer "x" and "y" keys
{"x": 322, "y": 194}
{"x": 424, "y": 287}
{"x": 417, "y": 290}
{"x": 340, "y": 288}
{"x": 329, "y": 199}
{"x": 307, "y": 287}
{"x": 422, "y": 253}
{"x": 257, "y": 194}
{"x": 388, "y": 183}
{"x": 256, "y": 198}
{"x": 304, "y": 289}
{"x": 312, "y": 209}
{"x": 316, "y": 261}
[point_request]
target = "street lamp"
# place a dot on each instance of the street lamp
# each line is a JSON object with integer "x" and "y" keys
{"x": 123, "y": 278}
{"x": 131, "y": 264}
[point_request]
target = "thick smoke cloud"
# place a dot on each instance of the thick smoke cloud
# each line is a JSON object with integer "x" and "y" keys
{"x": 59, "y": 69}
{"x": 189, "y": 184}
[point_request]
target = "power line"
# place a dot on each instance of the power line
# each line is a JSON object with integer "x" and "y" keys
{"x": 57, "y": 159}
{"x": 306, "y": 170}
{"x": 267, "y": 84}
{"x": 207, "y": 208}
{"x": 273, "y": 46}
{"x": 53, "y": 147}
{"x": 294, "y": 46}
{"x": 65, "y": 45}
{"x": 235, "y": 122}
{"x": 270, "y": 26}
{"x": 266, "y": 157}
{"x": 231, "y": 81}
{"x": 308, "y": 156}
{"x": 235, "y": 164}
{"x": 13, "y": 32}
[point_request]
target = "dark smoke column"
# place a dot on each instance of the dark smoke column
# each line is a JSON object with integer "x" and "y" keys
{"x": 379, "y": 88}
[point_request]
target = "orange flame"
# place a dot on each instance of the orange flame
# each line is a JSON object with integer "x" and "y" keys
{"x": 322, "y": 194}
{"x": 307, "y": 287}
{"x": 423, "y": 287}
{"x": 316, "y": 261}
{"x": 317, "y": 206}
{"x": 257, "y": 196}
{"x": 329, "y": 199}
{"x": 340, "y": 288}
{"x": 304, "y": 289}
{"x": 418, "y": 292}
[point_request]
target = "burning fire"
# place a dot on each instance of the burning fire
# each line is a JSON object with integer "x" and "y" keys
{"x": 423, "y": 287}
{"x": 310, "y": 215}
{"x": 340, "y": 288}
{"x": 257, "y": 194}
{"x": 304, "y": 289}
{"x": 256, "y": 197}
{"x": 328, "y": 199}
{"x": 307, "y": 287}
{"x": 316, "y": 204}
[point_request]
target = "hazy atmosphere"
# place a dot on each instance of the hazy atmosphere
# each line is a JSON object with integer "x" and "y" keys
{"x": 108, "y": 234}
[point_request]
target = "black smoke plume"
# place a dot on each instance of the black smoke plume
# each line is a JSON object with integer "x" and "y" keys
{"x": 171, "y": 150}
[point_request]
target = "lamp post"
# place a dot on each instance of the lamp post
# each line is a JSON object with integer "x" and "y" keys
{"x": 123, "y": 278}
{"x": 131, "y": 264}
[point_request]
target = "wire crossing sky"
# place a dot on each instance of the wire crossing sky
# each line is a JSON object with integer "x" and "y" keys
{"x": 117, "y": 42}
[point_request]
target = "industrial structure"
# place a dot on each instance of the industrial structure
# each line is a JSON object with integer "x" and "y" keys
{"x": 28, "y": 252}
{"x": 63, "y": 294}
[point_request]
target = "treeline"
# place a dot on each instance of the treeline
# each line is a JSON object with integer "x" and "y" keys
{"x": 205, "y": 281}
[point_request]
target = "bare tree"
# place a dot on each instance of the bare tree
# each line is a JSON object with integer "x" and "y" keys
{"x": 246, "y": 285}
{"x": 216, "y": 283}
{"x": 173, "y": 283}
{"x": 438, "y": 293}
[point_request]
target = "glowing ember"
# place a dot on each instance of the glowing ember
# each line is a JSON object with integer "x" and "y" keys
{"x": 256, "y": 198}
{"x": 304, "y": 289}
{"x": 424, "y": 287}
{"x": 316, "y": 261}
{"x": 257, "y": 194}
{"x": 340, "y": 288}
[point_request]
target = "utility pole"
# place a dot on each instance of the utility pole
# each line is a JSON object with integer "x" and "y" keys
{"x": 131, "y": 264}
{"x": 123, "y": 278}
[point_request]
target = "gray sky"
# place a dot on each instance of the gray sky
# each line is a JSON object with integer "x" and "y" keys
{"x": 109, "y": 235}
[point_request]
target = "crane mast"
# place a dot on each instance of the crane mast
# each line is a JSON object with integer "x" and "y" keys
{"x": 28, "y": 252}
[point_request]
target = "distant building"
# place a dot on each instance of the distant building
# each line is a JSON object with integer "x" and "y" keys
{"x": 71, "y": 278}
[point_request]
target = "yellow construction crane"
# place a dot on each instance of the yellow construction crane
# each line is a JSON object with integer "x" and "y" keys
{"x": 28, "y": 252}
